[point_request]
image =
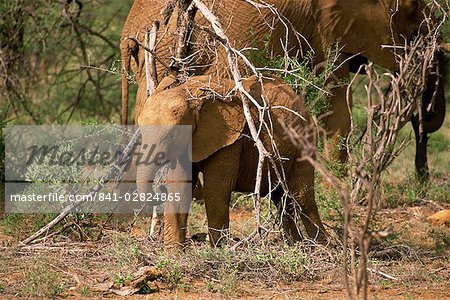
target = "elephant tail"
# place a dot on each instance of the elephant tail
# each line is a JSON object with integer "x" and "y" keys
{"x": 126, "y": 50}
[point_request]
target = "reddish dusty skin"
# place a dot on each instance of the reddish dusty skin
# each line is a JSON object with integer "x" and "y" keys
{"x": 228, "y": 159}
{"x": 359, "y": 26}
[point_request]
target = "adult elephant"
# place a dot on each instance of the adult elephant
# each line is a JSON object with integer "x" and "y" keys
{"x": 433, "y": 107}
{"x": 359, "y": 26}
{"x": 223, "y": 151}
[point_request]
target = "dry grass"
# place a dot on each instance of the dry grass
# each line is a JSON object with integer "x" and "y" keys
{"x": 411, "y": 263}
{"x": 417, "y": 256}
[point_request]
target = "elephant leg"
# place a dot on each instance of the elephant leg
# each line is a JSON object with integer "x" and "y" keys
{"x": 434, "y": 95}
{"x": 157, "y": 226}
{"x": 286, "y": 210}
{"x": 174, "y": 230}
{"x": 220, "y": 175}
{"x": 176, "y": 212}
{"x": 301, "y": 185}
{"x": 197, "y": 193}
{"x": 337, "y": 123}
{"x": 421, "y": 160}
{"x": 433, "y": 117}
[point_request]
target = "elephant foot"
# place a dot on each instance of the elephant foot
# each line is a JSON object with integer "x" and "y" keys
{"x": 316, "y": 233}
{"x": 421, "y": 160}
{"x": 318, "y": 237}
{"x": 291, "y": 231}
{"x": 217, "y": 237}
{"x": 314, "y": 228}
{"x": 175, "y": 231}
{"x": 321, "y": 237}
{"x": 422, "y": 174}
{"x": 174, "y": 249}
{"x": 199, "y": 237}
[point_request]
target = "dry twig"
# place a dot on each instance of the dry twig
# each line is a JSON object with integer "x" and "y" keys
{"x": 114, "y": 172}
{"x": 387, "y": 113}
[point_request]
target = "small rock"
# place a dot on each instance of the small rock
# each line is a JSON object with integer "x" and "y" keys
{"x": 441, "y": 218}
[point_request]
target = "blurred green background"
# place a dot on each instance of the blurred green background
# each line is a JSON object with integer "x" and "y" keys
{"x": 60, "y": 64}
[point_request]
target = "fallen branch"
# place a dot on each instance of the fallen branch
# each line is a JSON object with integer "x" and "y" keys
{"x": 382, "y": 274}
{"x": 62, "y": 229}
{"x": 141, "y": 278}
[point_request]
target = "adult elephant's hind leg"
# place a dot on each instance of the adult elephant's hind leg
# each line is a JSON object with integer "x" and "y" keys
{"x": 421, "y": 160}
{"x": 286, "y": 210}
{"x": 301, "y": 185}
{"x": 220, "y": 175}
{"x": 337, "y": 123}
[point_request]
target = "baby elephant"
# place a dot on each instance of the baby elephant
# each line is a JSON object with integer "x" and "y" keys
{"x": 226, "y": 155}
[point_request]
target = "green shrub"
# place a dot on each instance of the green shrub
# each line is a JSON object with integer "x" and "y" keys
{"x": 299, "y": 73}
{"x": 171, "y": 269}
{"x": 41, "y": 280}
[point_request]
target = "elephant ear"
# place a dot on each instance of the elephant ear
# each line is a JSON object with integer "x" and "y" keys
{"x": 218, "y": 124}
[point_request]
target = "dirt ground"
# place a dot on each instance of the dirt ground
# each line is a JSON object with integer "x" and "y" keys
{"x": 412, "y": 264}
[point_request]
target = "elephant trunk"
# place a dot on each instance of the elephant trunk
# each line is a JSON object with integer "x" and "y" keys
{"x": 147, "y": 167}
{"x": 126, "y": 48}
{"x": 144, "y": 178}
